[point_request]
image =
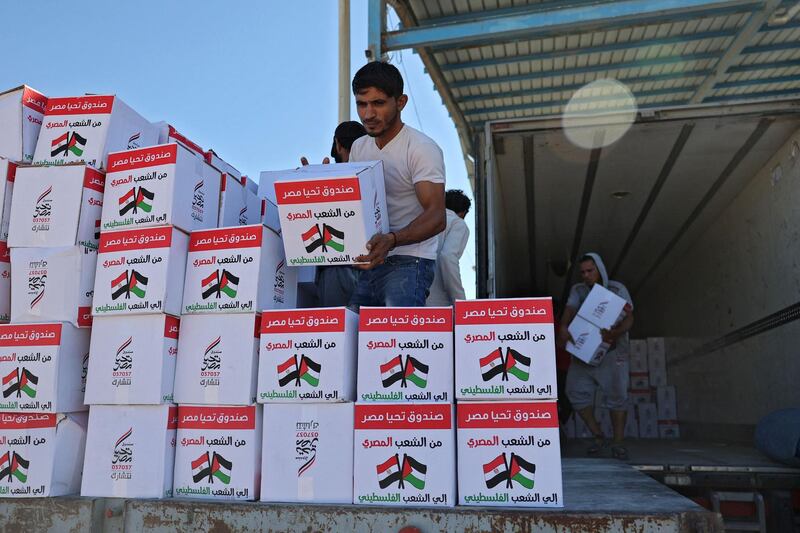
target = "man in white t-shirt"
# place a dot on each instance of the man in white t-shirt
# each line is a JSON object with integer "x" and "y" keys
{"x": 399, "y": 268}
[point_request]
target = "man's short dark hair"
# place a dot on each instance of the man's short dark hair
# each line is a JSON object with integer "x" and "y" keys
{"x": 587, "y": 258}
{"x": 455, "y": 200}
{"x": 346, "y": 133}
{"x": 380, "y": 75}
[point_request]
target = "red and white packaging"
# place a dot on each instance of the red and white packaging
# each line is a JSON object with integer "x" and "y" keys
{"x": 5, "y": 283}
{"x": 219, "y": 359}
{"x": 56, "y": 206}
{"x": 405, "y": 455}
{"x": 587, "y": 344}
{"x": 130, "y": 451}
{"x": 638, "y": 356}
{"x": 160, "y": 185}
{"x": 647, "y": 415}
{"x": 41, "y": 367}
{"x": 269, "y": 215}
{"x": 236, "y": 270}
{"x": 308, "y": 453}
{"x": 639, "y": 381}
{"x": 505, "y": 349}
{"x": 667, "y": 403}
{"x": 638, "y": 396}
{"x": 132, "y": 360}
{"x": 140, "y": 271}
{"x": 308, "y": 355}
{"x": 21, "y": 113}
{"x": 86, "y": 128}
{"x": 656, "y": 361}
{"x": 53, "y": 284}
{"x": 168, "y": 134}
{"x": 221, "y": 165}
{"x": 601, "y": 310}
{"x": 238, "y": 204}
{"x": 405, "y": 354}
{"x": 41, "y": 454}
{"x": 218, "y": 453}
{"x": 509, "y": 454}
{"x": 329, "y": 212}
{"x": 8, "y": 173}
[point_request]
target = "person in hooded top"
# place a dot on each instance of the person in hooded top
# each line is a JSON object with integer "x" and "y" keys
{"x": 612, "y": 374}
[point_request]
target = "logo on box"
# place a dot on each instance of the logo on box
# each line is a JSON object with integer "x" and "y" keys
{"x": 212, "y": 363}
{"x": 13, "y": 466}
{"x": 42, "y": 211}
{"x": 71, "y": 141}
{"x": 122, "y": 460}
{"x": 37, "y": 281}
{"x": 138, "y": 198}
{"x": 513, "y": 363}
{"x": 512, "y": 470}
{"x": 306, "y": 439}
{"x": 128, "y": 282}
{"x": 133, "y": 140}
{"x": 198, "y": 201}
{"x": 294, "y": 369}
{"x": 326, "y": 237}
{"x": 209, "y": 466}
{"x": 413, "y": 370}
{"x": 220, "y": 282}
{"x": 409, "y": 470}
{"x": 19, "y": 381}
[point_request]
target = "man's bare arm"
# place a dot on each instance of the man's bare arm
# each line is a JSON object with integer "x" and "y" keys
{"x": 566, "y": 319}
{"x": 430, "y": 222}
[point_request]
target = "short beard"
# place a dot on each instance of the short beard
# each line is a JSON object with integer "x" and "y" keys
{"x": 389, "y": 125}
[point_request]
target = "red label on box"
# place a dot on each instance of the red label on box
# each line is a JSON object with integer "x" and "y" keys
{"x": 135, "y": 239}
{"x": 218, "y": 417}
{"x": 27, "y": 421}
{"x": 84, "y": 317}
{"x": 303, "y": 321}
{"x": 30, "y": 334}
{"x": 172, "y": 418}
{"x": 5, "y": 254}
{"x": 12, "y": 172}
{"x": 257, "y": 331}
{"x": 405, "y": 319}
{"x": 522, "y": 311}
{"x": 407, "y": 416}
{"x": 491, "y": 415}
{"x": 173, "y": 133}
{"x": 34, "y": 100}
{"x": 94, "y": 179}
{"x": 226, "y": 238}
{"x": 318, "y": 191}
{"x": 163, "y": 154}
{"x": 80, "y": 105}
{"x": 172, "y": 326}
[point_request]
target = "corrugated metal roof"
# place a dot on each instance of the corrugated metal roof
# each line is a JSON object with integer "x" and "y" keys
{"x": 663, "y": 61}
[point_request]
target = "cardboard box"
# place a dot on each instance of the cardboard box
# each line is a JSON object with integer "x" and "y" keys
{"x": 667, "y": 403}
{"x": 308, "y": 355}
{"x": 41, "y": 454}
{"x": 160, "y": 185}
{"x": 87, "y": 128}
{"x": 405, "y": 354}
{"x": 509, "y": 454}
{"x": 238, "y": 204}
{"x": 56, "y": 206}
{"x": 631, "y": 424}
{"x": 588, "y": 345}
{"x": 329, "y": 212}
{"x": 405, "y": 455}
{"x": 308, "y": 453}
{"x": 140, "y": 271}
{"x": 638, "y": 356}
{"x": 639, "y": 381}
{"x": 41, "y": 367}
{"x": 505, "y": 349}
{"x": 218, "y": 454}
{"x": 132, "y": 360}
{"x": 221, "y": 165}
{"x": 8, "y": 173}
{"x": 647, "y": 415}
{"x": 237, "y": 270}
{"x": 5, "y": 283}
{"x": 52, "y": 284}
{"x": 668, "y": 429}
{"x": 21, "y": 113}
{"x": 130, "y": 451}
{"x": 250, "y": 185}
{"x": 602, "y": 307}
{"x": 219, "y": 359}
{"x": 269, "y": 215}
{"x": 638, "y": 396}
{"x": 656, "y": 361}
{"x": 168, "y": 134}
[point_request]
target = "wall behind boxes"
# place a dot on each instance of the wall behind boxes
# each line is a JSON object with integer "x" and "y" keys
{"x": 741, "y": 269}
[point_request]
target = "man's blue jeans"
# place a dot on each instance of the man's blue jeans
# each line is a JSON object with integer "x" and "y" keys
{"x": 402, "y": 281}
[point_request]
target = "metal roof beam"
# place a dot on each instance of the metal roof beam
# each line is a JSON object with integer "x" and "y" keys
{"x": 755, "y": 95}
{"x": 757, "y": 81}
{"x": 555, "y": 21}
{"x": 791, "y": 63}
{"x": 558, "y": 103}
{"x": 653, "y": 62}
{"x": 734, "y": 50}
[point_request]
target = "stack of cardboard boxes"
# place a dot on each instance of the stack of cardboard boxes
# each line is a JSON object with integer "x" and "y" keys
{"x": 507, "y": 417}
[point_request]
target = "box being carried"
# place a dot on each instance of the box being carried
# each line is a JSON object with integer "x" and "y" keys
{"x": 140, "y": 271}
{"x": 41, "y": 454}
{"x": 307, "y": 355}
{"x": 87, "y": 128}
{"x": 41, "y": 366}
{"x": 308, "y": 453}
{"x": 53, "y": 284}
{"x": 602, "y": 309}
{"x": 56, "y": 206}
{"x": 235, "y": 270}
{"x": 405, "y": 354}
{"x": 130, "y": 451}
{"x": 160, "y": 185}
{"x": 218, "y": 454}
{"x": 404, "y": 455}
{"x": 132, "y": 359}
{"x": 219, "y": 359}
{"x": 21, "y": 113}
{"x": 505, "y": 349}
{"x": 509, "y": 454}
{"x": 329, "y": 212}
